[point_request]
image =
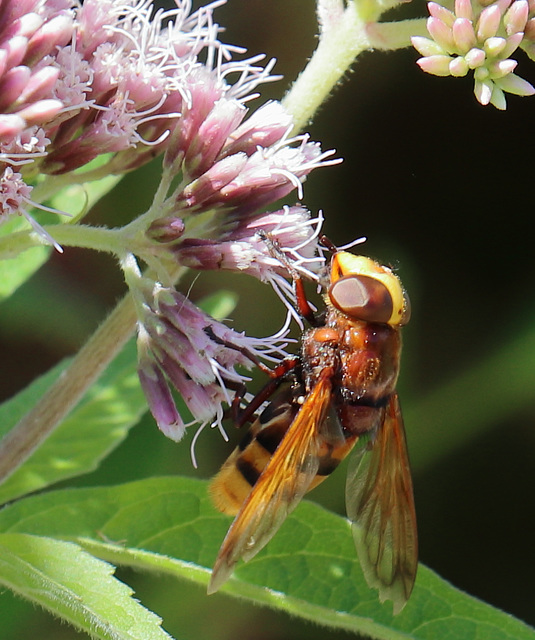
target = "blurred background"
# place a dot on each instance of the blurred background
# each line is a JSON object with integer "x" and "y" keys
{"x": 442, "y": 188}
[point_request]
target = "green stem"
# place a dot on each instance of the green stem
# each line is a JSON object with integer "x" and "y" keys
{"x": 338, "y": 47}
{"x": 341, "y": 40}
{"x": 98, "y": 238}
{"x": 389, "y": 36}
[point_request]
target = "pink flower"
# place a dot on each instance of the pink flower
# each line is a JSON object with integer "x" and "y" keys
{"x": 15, "y": 199}
{"x": 116, "y": 77}
{"x": 102, "y": 77}
{"x": 181, "y": 346}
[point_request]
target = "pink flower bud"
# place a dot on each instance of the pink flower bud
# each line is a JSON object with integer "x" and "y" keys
{"x": 12, "y": 85}
{"x": 512, "y": 44}
{"x": 463, "y": 35}
{"x": 494, "y": 46}
{"x": 202, "y": 401}
{"x": 463, "y": 9}
{"x": 160, "y": 400}
{"x": 501, "y": 68}
{"x": 208, "y": 186}
{"x": 40, "y": 84}
{"x": 57, "y": 32}
{"x": 441, "y": 34}
{"x": 530, "y": 29}
{"x": 205, "y": 145}
{"x": 265, "y": 127}
{"x": 458, "y": 67}
{"x": 426, "y": 47}
{"x": 441, "y": 13}
{"x": 489, "y": 22}
{"x": 515, "y": 19}
{"x": 483, "y": 91}
{"x": 166, "y": 230}
{"x": 436, "y": 65}
{"x": 40, "y": 112}
{"x": 10, "y": 126}
{"x": 25, "y": 25}
{"x": 14, "y": 51}
{"x": 475, "y": 58}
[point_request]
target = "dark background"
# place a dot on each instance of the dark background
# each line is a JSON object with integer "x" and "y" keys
{"x": 442, "y": 188}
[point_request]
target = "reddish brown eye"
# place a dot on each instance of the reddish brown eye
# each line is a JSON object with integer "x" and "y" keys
{"x": 362, "y": 297}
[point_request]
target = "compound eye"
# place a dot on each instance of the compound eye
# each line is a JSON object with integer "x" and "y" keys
{"x": 362, "y": 297}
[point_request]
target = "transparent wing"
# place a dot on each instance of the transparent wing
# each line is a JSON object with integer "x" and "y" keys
{"x": 279, "y": 488}
{"x": 380, "y": 505}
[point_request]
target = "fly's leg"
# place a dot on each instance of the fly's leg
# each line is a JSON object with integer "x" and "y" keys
{"x": 288, "y": 367}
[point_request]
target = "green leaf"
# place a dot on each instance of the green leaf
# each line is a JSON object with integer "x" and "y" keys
{"x": 476, "y": 400}
{"x": 96, "y": 426}
{"x": 14, "y": 272}
{"x": 77, "y": 199}
{"x": 71, "y": 583}
{"x": 219, "y": 304}
{"x": 310, "y": 567}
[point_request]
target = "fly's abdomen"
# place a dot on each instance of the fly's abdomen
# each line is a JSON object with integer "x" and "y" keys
{"x": 330, "y": 456}
{"x": 231, "y": 486}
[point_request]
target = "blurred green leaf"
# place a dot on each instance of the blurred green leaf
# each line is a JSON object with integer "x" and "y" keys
{"x": 473, "y": 402}
{"x": 14, "y": 272}
{"x": 73, "y": 199}
{"x": 73, "y": 584}
{"x": 96, "y": 426}
{"x": 310, "y": 568}
{"x": 219, "y": 304}
{"x": 13, "y": 409}
{"x": 33, "y": 311}
{"x": 77, "y": 199}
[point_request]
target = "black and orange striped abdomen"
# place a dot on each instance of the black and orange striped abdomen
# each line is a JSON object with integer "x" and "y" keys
{"x": 231, "y": 486}
{"x": 241, "y": 470}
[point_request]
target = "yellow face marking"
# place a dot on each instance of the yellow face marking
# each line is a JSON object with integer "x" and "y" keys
{"x": 345, "y": 264}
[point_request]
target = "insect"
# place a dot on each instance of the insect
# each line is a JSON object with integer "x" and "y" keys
{"x": 338, "y": 391}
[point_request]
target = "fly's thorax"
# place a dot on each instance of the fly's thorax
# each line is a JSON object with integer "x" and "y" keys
{"x": 369, "y": 355}
{"x": 319, "y": 351}
{"x": 380, "y": 340}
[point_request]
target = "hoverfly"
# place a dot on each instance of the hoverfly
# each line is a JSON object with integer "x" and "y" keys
{"x": 340, "y": 389}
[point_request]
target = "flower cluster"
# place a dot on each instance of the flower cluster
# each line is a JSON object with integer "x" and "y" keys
{"x": 478, "y": 37}
{"x": 121, "y": 81}
{"x": 212, "y": 222}
{"x": 31, "y": 33}
{"x": 180, "y": 343}
{"x": 106, "y": 77}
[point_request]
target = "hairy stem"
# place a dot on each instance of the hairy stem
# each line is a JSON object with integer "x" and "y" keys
{"x": 115, "y": 241}
{"x": 344, "y": 34}
{"x": 340, "y": 43}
